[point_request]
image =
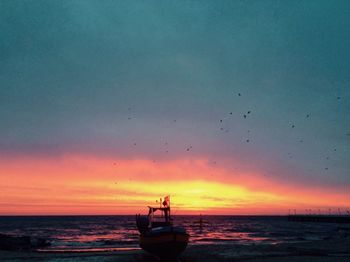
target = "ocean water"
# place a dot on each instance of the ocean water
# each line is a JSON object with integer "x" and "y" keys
{"x": 93, "y": 233}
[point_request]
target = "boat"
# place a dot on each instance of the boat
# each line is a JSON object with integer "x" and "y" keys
{"x": 158, "y": 235}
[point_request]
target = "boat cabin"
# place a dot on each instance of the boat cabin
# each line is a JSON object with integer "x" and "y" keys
{"x": 160, "y": 219}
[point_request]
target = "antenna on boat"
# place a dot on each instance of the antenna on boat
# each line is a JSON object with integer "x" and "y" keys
{"x": 168, "y": 203}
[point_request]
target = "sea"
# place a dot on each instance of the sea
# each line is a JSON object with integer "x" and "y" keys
{"x": 103, "y": 233}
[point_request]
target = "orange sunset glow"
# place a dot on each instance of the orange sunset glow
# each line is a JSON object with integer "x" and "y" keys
{"x": 80, "y": 184}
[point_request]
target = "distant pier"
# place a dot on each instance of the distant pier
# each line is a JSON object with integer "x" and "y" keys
{"x": 320, "y": 218}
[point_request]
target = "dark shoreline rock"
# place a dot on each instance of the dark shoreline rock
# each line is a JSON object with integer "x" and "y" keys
{"x": 9, "y": 242}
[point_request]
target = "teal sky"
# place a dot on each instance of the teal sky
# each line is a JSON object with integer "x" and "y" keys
{"x": 167, "y": 79}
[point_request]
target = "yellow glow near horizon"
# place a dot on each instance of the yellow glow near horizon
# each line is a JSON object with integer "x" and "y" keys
{"x": 83, "y": 185}
{"x": 200, "y": 195}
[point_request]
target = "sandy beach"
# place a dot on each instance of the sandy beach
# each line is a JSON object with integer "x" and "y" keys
{"x": 333, "y": 250}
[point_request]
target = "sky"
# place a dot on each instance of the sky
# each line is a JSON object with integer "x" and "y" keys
{"x": 229, "y": 107}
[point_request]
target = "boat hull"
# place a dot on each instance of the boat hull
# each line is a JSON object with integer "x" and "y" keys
{"x": 164, "y": 244}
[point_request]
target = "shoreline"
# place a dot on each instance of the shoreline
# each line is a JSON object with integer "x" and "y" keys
{"x": 332, "y": 250}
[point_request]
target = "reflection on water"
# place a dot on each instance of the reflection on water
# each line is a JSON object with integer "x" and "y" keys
{"x": 101, "y": 233}
{"x": 248, "y": 230}
{"x": 89, "y": 249}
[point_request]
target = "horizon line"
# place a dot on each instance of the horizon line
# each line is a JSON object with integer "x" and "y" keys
{"x": 77, "y": 215}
